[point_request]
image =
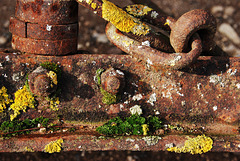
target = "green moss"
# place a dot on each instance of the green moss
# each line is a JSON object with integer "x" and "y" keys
{"x": 98, "y": 75}
{"x": 52, "y": 67}
{"x": 132, "y": 125}
{"x": 12, "y": 128}
{"x": 108, "y": 98}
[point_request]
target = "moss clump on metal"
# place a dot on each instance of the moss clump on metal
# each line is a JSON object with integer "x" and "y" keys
{"x": 198, "y": 145}
{"x": 133, "y": 125}
{"x": 16, "y": 127}
{"x": 53, "y": 67}
{"x": 107, "y": 98}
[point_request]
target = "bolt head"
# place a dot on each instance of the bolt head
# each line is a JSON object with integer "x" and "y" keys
{"x": 40, "y": 83}
{"x": 112, "y": 81}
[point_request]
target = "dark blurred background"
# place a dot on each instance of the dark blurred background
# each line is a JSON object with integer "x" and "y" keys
{"x": 92, "y": 38}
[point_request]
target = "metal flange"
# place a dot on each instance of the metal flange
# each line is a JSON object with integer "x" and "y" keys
{"x": 43, "y": 31}
{"x": 44, "y": 47}
{"x": 47, "y": 11}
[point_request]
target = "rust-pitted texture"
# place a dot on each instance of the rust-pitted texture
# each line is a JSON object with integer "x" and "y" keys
{"x": 199, "y": 21}
{"x": 86, "y": 142}
{"x": 44, "y": 47}
{"x": 156, "y": 39}
{"x": 47, "y": 11}
{"x": 203, "y": 97}
{"x": 17, "y": 27}
{"x": 43, "y": 31}
{"x": 152, "y": 56}
{"x": 112, "y": 80}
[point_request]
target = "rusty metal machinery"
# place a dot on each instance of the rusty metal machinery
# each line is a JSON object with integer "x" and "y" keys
{"x": 193, "y": 96}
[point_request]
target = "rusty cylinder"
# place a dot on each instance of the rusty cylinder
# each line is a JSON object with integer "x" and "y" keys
{"x": 45, "y": 27}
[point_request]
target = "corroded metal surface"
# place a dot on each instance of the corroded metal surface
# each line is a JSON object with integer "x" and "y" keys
{"x": 191, "y": 22}
{"x": 152, "y": 56}
{"x": 43, "y": 31}
{"x": 85, "y": 142}
{"x": 47, "y": 11}
{"x": 44, "y": 47}
{"x": 205, "y": 95}
{"x": 203, "y": 98}
{"x": 46, "y": 27}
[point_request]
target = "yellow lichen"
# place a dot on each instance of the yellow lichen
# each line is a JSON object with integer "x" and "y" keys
{"x": 122, "y": 20}
{"x": 145, "y": 129}
{"x": 23, "y": 100}
{"x": 54, "y": 146}
{"x": 89, "y": 1}
{"x": 54, "y": 104}
{"x": 53, "y": 76}
{"x": 4, "y": 99}
{"x": 94, "y": 5}
{"x": 128, "y": 43}
{"x": 27, "y": 149}
{"x": 198, "y": 145}
{"x": 167, "y": 22}
{"x": 138, "y": 10}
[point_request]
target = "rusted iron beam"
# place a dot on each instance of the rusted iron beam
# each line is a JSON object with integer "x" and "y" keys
{"x": 87, "y": 142}
{"x": 203, "y": 97}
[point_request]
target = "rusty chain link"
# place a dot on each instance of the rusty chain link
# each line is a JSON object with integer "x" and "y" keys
{"x": 184, "y": 37}
{"x": 56, "y": 34}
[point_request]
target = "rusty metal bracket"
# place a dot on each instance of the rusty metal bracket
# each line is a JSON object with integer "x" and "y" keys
{"x": 199, "y": 98}
{"x": 204, "y": 105}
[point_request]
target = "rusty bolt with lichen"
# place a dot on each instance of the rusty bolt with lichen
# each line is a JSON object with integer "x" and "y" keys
{"x": 112, "y": 80}
{"x": 41, "y": 83}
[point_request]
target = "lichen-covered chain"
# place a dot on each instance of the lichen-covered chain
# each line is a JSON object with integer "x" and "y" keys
{"x": 184, "y": 33}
